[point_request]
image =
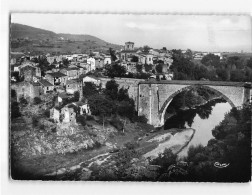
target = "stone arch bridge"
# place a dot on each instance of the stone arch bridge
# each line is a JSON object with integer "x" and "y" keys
{"x": 154, "y": 97}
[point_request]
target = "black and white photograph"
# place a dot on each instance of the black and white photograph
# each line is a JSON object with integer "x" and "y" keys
{"x": 130, "y": 97}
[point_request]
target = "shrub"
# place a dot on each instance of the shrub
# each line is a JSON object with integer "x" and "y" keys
{"x": 81, "y": 119}
{"x": 23, "y": 101}
{"x": 37, "y": 100}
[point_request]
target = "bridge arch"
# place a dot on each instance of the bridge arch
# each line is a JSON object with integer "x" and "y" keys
{"x": 170, "y": 98}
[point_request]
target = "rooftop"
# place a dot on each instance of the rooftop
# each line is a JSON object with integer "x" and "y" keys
{"x": 45, "y": 83}
{"x": 57, "y": 74}
{"x": 72, "y": 81}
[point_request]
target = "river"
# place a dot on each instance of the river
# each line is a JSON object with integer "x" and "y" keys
{"x": 202, "y": 118}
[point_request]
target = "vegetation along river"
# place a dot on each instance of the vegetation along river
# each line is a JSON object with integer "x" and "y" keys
{"x": 201, "y": 118}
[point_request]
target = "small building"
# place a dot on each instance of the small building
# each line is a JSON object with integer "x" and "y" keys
{"x": 72, "y": 73}
{"x": 84, "y": 108}
{"x": 72, "y": 86}
{"x": 27, "y": 73}
{"x": 91, "y": 62}
{"x": 56, "y": 78}
{"x": 46, "y": 86}
{"x": 91, "y": 79}
{"x": 55, "y": 114}
{"x": 68, "y": 113}
{"x": 27, "y": 90}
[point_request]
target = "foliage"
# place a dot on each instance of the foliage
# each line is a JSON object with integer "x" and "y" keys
{"x": 249, "y": 63}
{"x": 15, "y": 110}
{"x": 134, "y": 59}
{"x": 81, "y": 119}
{"x": 237, "y": 75}
{"x": 100, "y": 105}
{"x": 115, "y": 70}
{"x": 159, "y": 68}
{"x": 37, "y": 100}
{"x": 139, "y": 67}
{"x": 147, "y": 67}
{"x": 13, "y": 93}
{"x": 111, "y": 89}
{"x": 23, "y": 101}
{"x": 211, "y": 60}
{"x": 112, "y": 54}
{"x": 89, "y": 89}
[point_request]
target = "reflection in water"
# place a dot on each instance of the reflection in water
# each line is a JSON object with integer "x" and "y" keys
{"x": 203, "y": 119}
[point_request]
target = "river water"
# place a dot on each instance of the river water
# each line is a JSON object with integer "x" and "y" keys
{"x": 203, "y": 119}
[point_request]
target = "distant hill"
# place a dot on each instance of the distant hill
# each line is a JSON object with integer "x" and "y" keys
{"x": 20, "y": 31}
{"x": 29, "y": 39}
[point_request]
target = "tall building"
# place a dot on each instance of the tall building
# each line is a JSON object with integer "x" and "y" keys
{"x": 129, "y": 46}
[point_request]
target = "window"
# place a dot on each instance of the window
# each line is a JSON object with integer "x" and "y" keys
{"x": 47, "y": 88}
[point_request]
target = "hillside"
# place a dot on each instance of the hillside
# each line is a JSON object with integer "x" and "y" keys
{"x": 39, "y": 41}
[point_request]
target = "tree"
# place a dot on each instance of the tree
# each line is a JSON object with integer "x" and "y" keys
{"x": 23, "y": 101}
{"x": 89, "y": 89}
{"x": 123, "y": 94}
{"x": 112, "y": 54}
{"x": 237, "y": 75}
{"x": 159, "y": 68}
{"x": 223, "y": 74}
{"x": 189, "y": 54}
{"x": 139, "y": 67}
{"x": 211, "y": 60}
{"x": 134, "y": 59}
{"x": 115, "y": 70}
{"x": 101, "y": 106}
{"x": 76, "y": 96}
{"x": 37, "y": 100}
{"x": 111, "y": 89}
{"x": 249, "y": 63}
{"x": 147, "y": 67}
{"x": 146, "y": 49}
{"x": 15, "y": 110}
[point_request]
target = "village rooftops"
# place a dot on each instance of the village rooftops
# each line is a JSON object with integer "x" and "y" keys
{"x": 63, "y": 95}
{"x": 128, "y": 51}
{"x": 72, "y": 81}
{"x": 79, "y": 103}
{"x": 72, "y": 68}
{"x": 57, "y": 74}
{"x": 45, "y": 83}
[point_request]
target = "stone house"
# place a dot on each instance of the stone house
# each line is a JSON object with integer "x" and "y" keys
{"x": 91, "y": 62}
{"x": 56, "y": 78}
{"x": 84, "y": 108}
{"x": 55, "y": 114}
{"x": 68, "y": 114}
{"x": 27, "y": 73}
{"x": 107, "y": 59}
{"x": 28, "y": 90}
{"x": 91, "y": 79}
{"x": 72, "y": 86}
{"x": 46, "y": 86}
{"x": 99, "y": 62}
{"x": 72, "y": 73}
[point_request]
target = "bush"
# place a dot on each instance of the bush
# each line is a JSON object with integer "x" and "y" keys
{"x": 117, "y": 124}
{"x": 37, "y": 100}
{"x": 81, "y": 119}
{"x": 142, "y": 119}
{"x": 15, "y": 110}
{"x": 47, "y": 113}
{"x": 23, "y": 101}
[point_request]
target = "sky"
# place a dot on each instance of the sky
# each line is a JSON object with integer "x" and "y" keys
{"x": 214, "y": 33}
